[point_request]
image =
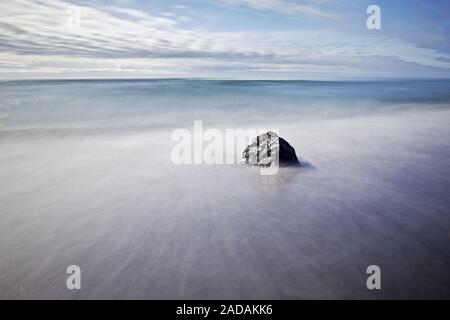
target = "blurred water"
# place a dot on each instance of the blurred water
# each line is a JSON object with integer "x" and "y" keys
{"x": 86, "y": 179}
{"x": 169, "y": 102}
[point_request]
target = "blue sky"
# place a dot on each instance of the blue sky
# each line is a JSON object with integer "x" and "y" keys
{"x": 248, "y": 39}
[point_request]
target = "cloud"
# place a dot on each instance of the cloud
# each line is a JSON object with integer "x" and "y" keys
{"x": 284, "y": 7}
{"x": 43, "y": 38}
{"x": 179, "y": 6}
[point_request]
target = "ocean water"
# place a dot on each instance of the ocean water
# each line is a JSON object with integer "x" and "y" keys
{"x": 86, "y": 178}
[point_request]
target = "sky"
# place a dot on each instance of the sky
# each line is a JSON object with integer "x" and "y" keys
{"x": 238, "y": 39}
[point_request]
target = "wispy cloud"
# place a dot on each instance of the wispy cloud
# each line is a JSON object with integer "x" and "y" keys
{"x": 36, "y": 40}
{"x": 285, "y": 7}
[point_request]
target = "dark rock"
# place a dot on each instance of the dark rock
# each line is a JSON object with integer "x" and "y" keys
{"x": 266, "y": 148}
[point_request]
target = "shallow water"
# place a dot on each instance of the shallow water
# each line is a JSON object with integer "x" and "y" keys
{"x": 86, "y": 178}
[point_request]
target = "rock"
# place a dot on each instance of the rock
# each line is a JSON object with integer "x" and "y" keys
{"x": 265, "y": 148}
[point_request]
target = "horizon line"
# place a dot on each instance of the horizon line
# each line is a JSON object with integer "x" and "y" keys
{"x": 223, "y": 79}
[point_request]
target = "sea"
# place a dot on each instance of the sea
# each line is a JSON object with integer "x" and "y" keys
{"x": 87, "y": 178}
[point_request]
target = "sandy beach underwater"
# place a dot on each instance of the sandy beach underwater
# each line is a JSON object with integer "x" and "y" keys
{"x": 86, "y": 178}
